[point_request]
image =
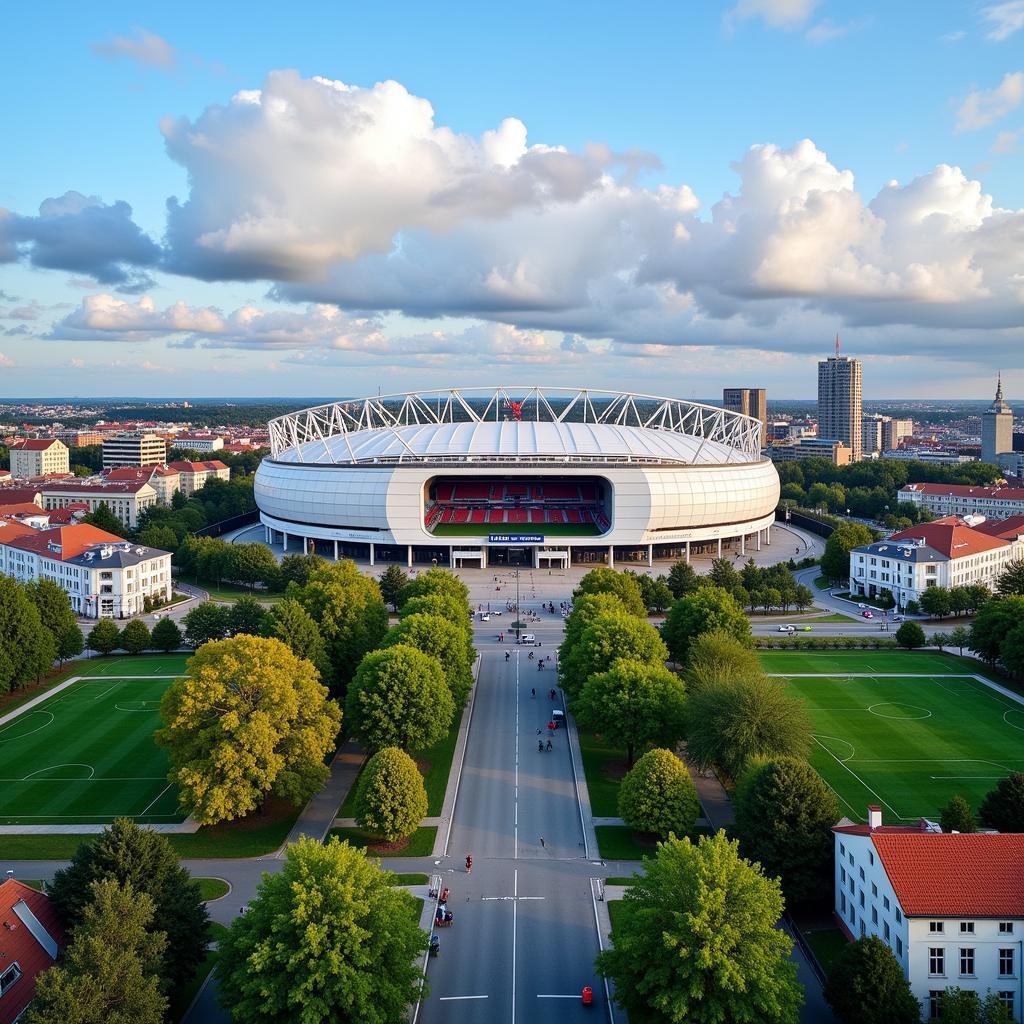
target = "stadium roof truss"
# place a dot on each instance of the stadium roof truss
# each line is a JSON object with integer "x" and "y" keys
{"x": 390, "y": 413}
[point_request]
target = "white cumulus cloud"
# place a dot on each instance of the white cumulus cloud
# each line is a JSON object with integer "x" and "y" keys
{"x": 1004, "y": 19}
{"x": 982, "y": 107}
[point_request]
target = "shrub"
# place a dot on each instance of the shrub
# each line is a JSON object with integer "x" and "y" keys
{"x": 658, "y": 795}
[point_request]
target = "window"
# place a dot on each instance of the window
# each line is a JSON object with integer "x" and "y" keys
{"x": 862, "y": 897}
{"x": 842, "y": 850}
{"x": 934, "y": 999}
{"x": 899, "y": 916}
{"x": 853, "y": 888}
{"x": 1005, "y": 927}
{"x": 862, "y": 874}
{"x": 874, "y": 915}
{"x": 9, "y": 977}
{"x": 1006, "y": 998}
{"x": 885, "y": 925}
{"x": 936, "y": 961}
{"x": 863, "y": 930}
{"x": 849, "y": 857}
{"x": 842, "y": 903}
{"x": 842, "y": 875}
{"x": 966, "y": 927}
{"x": 885, "y": 902}
{"x": 966, "y": 963}
{"x": 899, "y": 946}
{"x": 935, "y": 927}
{"x": 1006, "y": 963}
{"x": 874, "y": 889}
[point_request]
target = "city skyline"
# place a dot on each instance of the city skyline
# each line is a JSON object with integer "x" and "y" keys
{"x": 220, "y": 213}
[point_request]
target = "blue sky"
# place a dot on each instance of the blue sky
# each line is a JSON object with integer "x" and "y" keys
{"x": 651, "y": 217}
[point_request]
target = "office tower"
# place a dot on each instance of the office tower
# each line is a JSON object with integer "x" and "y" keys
{"x": 996, "y": 428}
{"x": 750, "y": 402}
{"x": 839, "y": 401}
{"x": 872, "y": 428}
{"x": 134, "y": 449}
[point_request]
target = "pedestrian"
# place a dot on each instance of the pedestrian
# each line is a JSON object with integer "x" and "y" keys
{"x": 533, "y": 691}
{"x": 542, "y": 842}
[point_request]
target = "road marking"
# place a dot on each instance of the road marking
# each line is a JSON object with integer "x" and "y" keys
{"x": 452, "y": 999}
{"x": 575, "y": 995}
{"x": 515, "y": 802}
{"x": 575, "y": 779}
{"x": 462, "y": 760}
{"x": 600, "y": 948}
{"x": 515, "y": 907}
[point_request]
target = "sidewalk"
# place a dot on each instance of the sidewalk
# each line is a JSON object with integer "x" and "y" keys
{"x": 718, "y": 810}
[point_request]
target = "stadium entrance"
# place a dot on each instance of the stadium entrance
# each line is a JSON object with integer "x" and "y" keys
{"x": 510, "y": 556}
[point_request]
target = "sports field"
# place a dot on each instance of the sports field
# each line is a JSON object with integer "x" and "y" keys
{"x": 86, "y": 754}
{"x": 905, "y": 731}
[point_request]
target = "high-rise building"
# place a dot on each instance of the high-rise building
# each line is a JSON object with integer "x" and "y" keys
{"x": 751, "y": 402}
{"x": 871, "y": 434}
{"x": 893, "y": 432}
{"x": 134, "y": 449}
{"x": 996, "y": 427}
{"x": 839, "y": 401}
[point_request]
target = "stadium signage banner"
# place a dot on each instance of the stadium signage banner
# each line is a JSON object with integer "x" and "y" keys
{"x": 515, "y": 538}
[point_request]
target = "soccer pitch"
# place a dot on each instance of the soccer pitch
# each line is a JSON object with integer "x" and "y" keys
{"x": 86, "y": 754}
{"x": 904, "y": 731}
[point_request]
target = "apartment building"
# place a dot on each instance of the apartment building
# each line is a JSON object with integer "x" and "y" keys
{"x": 164, "y": 481}
{"x": 751, "y": 402}
{"x": 103, "y": 575}
{"x": 38, "y": 456}
{"x": 199, "y": 442}
{"x": 812, "y": 448}
{"x": 135, "y": 448}
{"x": 964, "y": 500}
{"x": 945, "y": 553}
{"x": 127, "y": 499}
{"x": 949, "y": 906}
{"x": 193, "y": 475}
{"x": 840, "y": 417}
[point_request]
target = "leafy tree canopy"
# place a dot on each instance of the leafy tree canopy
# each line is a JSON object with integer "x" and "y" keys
{"x": 104, "y": 637}
{"x": 867, "y": 986}
{"x": 706, "y": 610}
{"x": 444, "y": 640}
{"x": 609, "y": 581}
{"x": 135, "y": 637}
{"x": 166, "y": 635}
{"x": 1003, "y": 807}
{"x": 27, "y": 647}
{"x": 391, "y": 800}
{"x": 658, "y": 796}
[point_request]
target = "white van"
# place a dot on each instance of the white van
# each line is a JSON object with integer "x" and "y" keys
{"x": 527, "y": 638}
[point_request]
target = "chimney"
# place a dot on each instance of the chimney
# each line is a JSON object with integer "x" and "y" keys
{"x": 874, "y": 817}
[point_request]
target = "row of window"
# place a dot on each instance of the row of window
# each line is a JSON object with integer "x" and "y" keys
{"x": 937, "y": 962}
{"x": 935, "y": 1002}
{"x": 967, "y": 927}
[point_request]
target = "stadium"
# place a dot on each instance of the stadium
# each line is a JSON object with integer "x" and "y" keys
{"x": 516, "y": 476}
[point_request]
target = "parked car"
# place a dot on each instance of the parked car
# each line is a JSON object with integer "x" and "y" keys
{"x": 897, "y": 618}
{"x": 486, "y": 617}
{"x": 862, "y": 606}
{"x": 868, "y": 615}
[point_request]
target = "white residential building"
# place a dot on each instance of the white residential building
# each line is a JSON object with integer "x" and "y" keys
{"x": 945, "y": 553}
{"x": 949, "y": 906}
{"x": 103, "y": 575}
{"x": 164, "y": 481}
{"x": 125, "y": 498}
{"x": 38, "y": 456}
{"x": 193, "y": 475}
{"x": 199, "y": 442}
{"x": 964, "y": 500}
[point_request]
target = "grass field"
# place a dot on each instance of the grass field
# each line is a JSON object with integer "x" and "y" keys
{"x": 86, "y": 754}
{"x": 541, "y": 529}
{"x": 903, "y": 730}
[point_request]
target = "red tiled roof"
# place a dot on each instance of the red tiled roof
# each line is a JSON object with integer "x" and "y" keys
{"x": 18, "y": 943}
{"x": 21, "y": 508}
{"x": 1009, "y": 529}
{"x": 19, "y": 495}
{"x": 196, "y": 467}
{"x": 867, "y": 830}
{"x": 966, "y": 491}
{"x": 955, "y": 875}
{"x": 122, "y": 473}
{"x": 11, "y": 529}
{"x": 33, "y": 444}
{"x": 91, "y": 487}
{"x": 72, "y": 540}
{"x": 950, "y": 537}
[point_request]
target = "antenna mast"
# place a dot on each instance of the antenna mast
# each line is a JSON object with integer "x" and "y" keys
{"x": 837, "y": 344}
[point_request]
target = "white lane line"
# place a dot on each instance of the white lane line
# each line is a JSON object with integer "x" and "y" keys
{"x": 600, "y": 947}
{"x": 515, "y": 906}
{"x": 515, "y": 806}
{"x": 575, "y": 995}
{"x": 462, "y": 759}
{"x": 452, "y": 999}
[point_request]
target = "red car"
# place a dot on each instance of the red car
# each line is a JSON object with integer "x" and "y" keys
{"x": 868, "y": 615}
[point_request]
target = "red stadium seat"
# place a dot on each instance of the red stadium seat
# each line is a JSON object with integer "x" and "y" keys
{"x": 496, "y": 515}
{"x": 477, "y": 515}
{"x": 537, "y": 515}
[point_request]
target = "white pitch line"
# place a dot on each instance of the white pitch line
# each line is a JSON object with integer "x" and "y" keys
{"x": 106, "y": 691}
{"x": 857, "y": 777}
{"x": 157, "y": 797}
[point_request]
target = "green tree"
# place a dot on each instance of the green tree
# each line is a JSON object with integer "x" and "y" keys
{"x": 941, "y": 640}
{"x": 328, "y": 939}
{"x": 633, "y": 704}
{"x": 910, "y": 635}
{"x": 135, "y": 637}
{"x": 298, "y": 568}
{"x": 960, "y": 638}
{"x": 391, "y": 800}
{"x": 392, "y": 581}
{"x": 1011, "y": 579}
{"x": 991, "y": 625}
{"x": 703, "y": 611}
{"x": 103, "y": 519}
{"x": 290, "y": 623}
{"x": 723, "y": 574}
{"x": 784, "y": 819}
{"x": 658, "y": 796}
{"x": 867, "y": 986}
{"x": 166, "y": 636}
{"x": 1003, "y": 807}
{"x": 55, "y": 613}
{"x": 134, "y": 856}
{"x": 957, "y": 816}
{"x": 683, "y": 579}
{"x": 978, "y": 595}
{"x": 696, "y": 940}
{"x": 936, "y": 601}
{"x": 605, "y": 640}
{"x": 27, "y": 647}
{"x": 1011, "y": 650}
{"x": 436, "y": 581}
{"x": 584, "y": 611}
{"x": 249, "y": 719}
{"x": 399, "y": 698}
{"x": 443, "y": 640}
{"x": 207, "y": 621}
{"x": 718, "y": 657}
{"x": 163, "y": 538}
{"x": 104, "y": 637}
{"x": 250, "y": 564}
{"x": 348, "y": 609}
{"x": 446, "y": 606}
{"x": 609, "y": 581}
{"x": 108, "y": 975}
{"x": 803, "y": 598}
{"x": 731, "y": 723}
{"x": 247, "y": 616}
{"x": 835, "y": 562}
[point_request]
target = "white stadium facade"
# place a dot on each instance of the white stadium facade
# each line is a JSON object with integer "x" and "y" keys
{"x": 525, "y": 476}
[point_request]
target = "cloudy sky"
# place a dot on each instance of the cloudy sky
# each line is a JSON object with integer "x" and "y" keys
{"x": 304, "y": 199}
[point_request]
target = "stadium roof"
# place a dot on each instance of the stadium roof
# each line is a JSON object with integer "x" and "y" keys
{"x": 512, "y": 440}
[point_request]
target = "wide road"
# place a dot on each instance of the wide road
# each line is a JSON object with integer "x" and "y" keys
{"x": 524, "y": 939}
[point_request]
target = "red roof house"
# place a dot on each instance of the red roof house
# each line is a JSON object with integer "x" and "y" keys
{"x": 31, "y": 936}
